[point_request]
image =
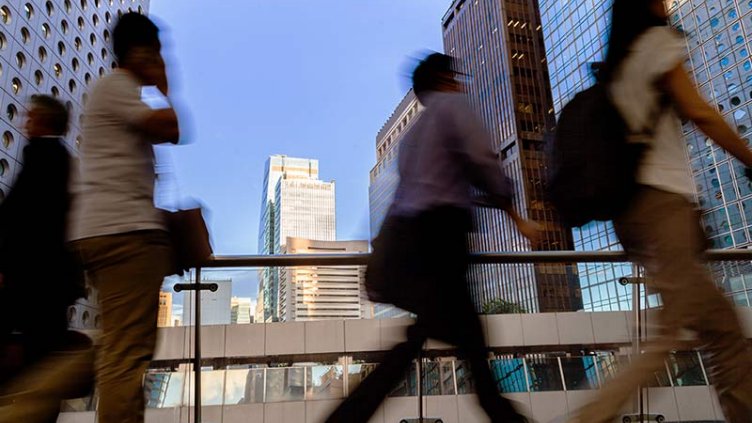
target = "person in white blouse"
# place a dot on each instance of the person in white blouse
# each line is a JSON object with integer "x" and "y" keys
{"x": 661, "y": 228}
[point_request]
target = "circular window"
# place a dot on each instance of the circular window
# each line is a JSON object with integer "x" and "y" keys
{"x": 69, "y": 107}
{"x": 741, "y": 128}
{"x": 736, "y": 101}
{"x": 72, "y": 86}
{"x": 71, "y": 314}
{"x": 46, "y": 30}
{"x": 7, "y": 139}
{"x": 20, "y": 60}
{"x": 58, "y": 69}
{"x": 4, "y": 41}
{"x": 108, "y": 17}
{"x": 11, "y": 111}
{"x": 5, "y": 14}
{"x": 140, "y": 10}
{"x": 113, "y": 65}
{"x": 50, "y": 8}
{"x": 68, "y": 6}
{"x": 87, "y": 78}
{"x": 93, "y": 39}
{"x": 97, "y": 322}
{"x": 84, "y": 5}
{"x": 16, "y": 85}
{"x": 104, "y": 54}
{"x": 4, "y": 167}
{"x": 95, "y": 19}
{"x": 106, "y": 36}
{"x": 38, "y": 77}
{"x": 81, "y": 23}
{"x": 85, "y": 318}
{"x": 75, "y": 64}
{"x": 97, "y": 3}
{"x": 90, "y": 58}
{"x": 64, "y": 25}
{"x": 29, "y": 10}
{"x": 101, "y": 71}
{"x": 78, "y": 44}
{"x": 55, "y": 92}
{"x": 61, "y": 48}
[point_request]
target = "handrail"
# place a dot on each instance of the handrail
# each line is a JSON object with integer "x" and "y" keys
{"x": 359, "y": 259}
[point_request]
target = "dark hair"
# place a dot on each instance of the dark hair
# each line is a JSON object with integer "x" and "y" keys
{"x": 430, "y": 71}
{"x": 133, "y": 30}
{"x": 54, "y": 113}
{"x": 629, "y": 20}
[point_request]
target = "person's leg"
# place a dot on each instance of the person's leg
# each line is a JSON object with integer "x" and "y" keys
{"x": 128, "y": 271}
{"x": 662, "y": 231}
{"x": 362, "y": 403}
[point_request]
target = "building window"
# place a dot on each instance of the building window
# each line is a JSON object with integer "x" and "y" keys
{"x": 5, "y": 14}
{"x": 29, "y": 10}
{"x": 11, "y": 111}
{"x": 4, "y": 41}
{"x": 101, "y": 71}
{"x": 4, "y": 167}
{"x": 38, "y": 77}
{"x": 95, "y": 19}
{"x": 106, "y": 36}
{"x": 50, "y": 8}
{"x": 20, "y": 60}
{"x": 81, "y": 23}
{"x": 104, "y": 54}
{"x": 84, "y": 4}
{"x": 42, "y": 54}
{"x": 87, "y": 78}
{"x": 72, "y": 86}
{"x": 64, "y": 25}
{"x": 75, "y": 64}
{"x": 90, "y": 58}
{"x": 7, "y": 139}
{"x": 93, "y": 39}
{"x": 108, "y": 17}
{"x": 68, "y": 6}
{"x": 16, "y": 85}
{"x": 61, "y": 48}
{"x": 55, "y": 92}
{"x": 58, "y": 70}
{"x": 46, "y": 30}
{"x": 97, "y": 3}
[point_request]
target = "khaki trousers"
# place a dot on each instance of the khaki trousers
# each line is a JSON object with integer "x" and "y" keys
{"x": 127, "y": 270}
{"x": 661, "y": 231}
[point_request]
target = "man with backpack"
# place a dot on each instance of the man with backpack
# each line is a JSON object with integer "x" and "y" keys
{"x": 421, "y": 256}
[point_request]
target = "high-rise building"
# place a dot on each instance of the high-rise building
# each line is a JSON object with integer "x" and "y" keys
{"x": 718, "y": 49}
{"x": 241, "y": 311}
{"x": 323, "y": 292}
{"x": 295, "y": 203}
{"x": 215, "y": 306}
{"x": 59, "y": 48}
{"x": 576, "y": 34}
{"x": 164, "y": 316}
{"x": 385, "y": 175}
{"x": 499, "y": 43}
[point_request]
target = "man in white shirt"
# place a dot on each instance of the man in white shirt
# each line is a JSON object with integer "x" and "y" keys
{"x": 117, "y": 230}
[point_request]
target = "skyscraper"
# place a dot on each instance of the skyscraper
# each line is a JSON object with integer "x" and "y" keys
{"x": 323, "y": 292}
{"x": 718, "y": 50}
{"x": 295, "y": 203}
{"x": 500, "y": 45}
{"x": 384, "y": 176}
{"x": 59, "y": 48}
{"x": 576, "y": 34}
{"x": 164, "y": 316}
{"x": 241, "y": 311}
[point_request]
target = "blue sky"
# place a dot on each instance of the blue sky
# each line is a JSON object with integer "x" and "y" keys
{"x": 304, "y": 78}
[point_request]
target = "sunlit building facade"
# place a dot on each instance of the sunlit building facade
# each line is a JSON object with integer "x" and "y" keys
{"x": 294, "y": 203}
{"x": 323, "y": 292}
{"x": 500, "y": 45}
{"x": 164, "y": 314}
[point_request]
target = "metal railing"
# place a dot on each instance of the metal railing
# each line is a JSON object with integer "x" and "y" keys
{"x": 361, "y": 259}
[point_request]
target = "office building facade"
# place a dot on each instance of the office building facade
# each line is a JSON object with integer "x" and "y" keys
{"x": 323, "y": 292}
{"x": 241, "y": 310}
{"x": 215, "y": 306}
{"x": 384, "y": 176}
{"x": 295, "y": 203}
{"x": 499, "y": 43}
{"x": 59, "y": 48}
{"x": 164, "y": 315}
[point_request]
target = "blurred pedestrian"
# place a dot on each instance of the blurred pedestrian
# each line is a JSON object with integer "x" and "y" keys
{"x": 421, "y": 255}
{"x": 661, "y": 228}
{"x": 36, "y": 267}
{"x": 119, "y": 234}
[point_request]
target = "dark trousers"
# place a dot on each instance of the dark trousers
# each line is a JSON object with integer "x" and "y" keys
{"x": 432, "y": 276}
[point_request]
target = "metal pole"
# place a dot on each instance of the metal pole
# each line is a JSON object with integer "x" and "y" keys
{"x": 636, "y": 343}
{"x": 197, "y": 348}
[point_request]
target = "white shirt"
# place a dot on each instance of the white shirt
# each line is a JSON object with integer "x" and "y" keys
{"x": 115, "y": 189}
{"x": 634, "y": 92}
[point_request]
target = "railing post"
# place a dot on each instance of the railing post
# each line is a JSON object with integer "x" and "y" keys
{"x": 197, "y": 349}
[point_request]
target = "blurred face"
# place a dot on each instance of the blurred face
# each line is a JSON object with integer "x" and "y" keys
{"x": 144, "y": 62}
{"x": 658, "y": 7}
{"x": 35, "y": 126}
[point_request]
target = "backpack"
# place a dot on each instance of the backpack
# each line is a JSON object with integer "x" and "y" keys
{"x": 593, "y": 167}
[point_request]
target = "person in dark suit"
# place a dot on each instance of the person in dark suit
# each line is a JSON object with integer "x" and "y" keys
{"x": 420, "y": 256}
{"x": 39, "y": 277}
